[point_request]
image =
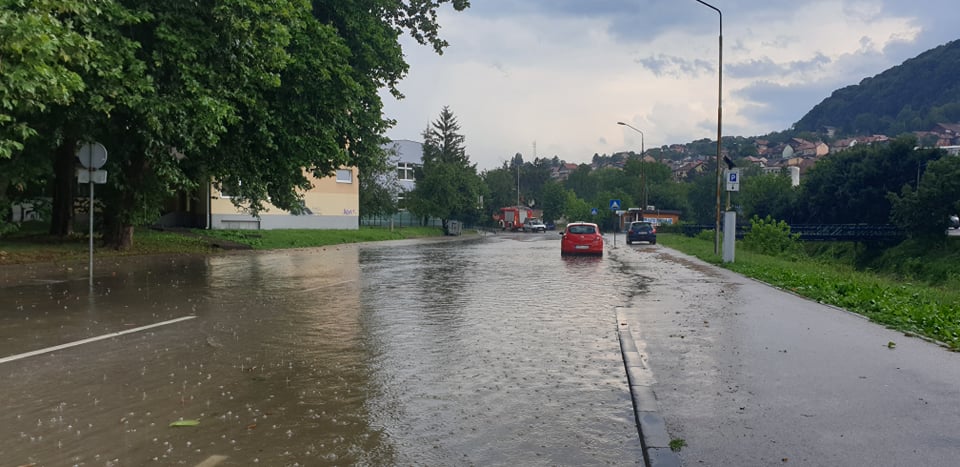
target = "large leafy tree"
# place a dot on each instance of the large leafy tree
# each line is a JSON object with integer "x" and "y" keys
{"x": 851, "y": 187}
{"x": 767, "y": 195}
{"x": 553, "y": 201}
{"x": 501, "y": 185}
{"x": 922, "y": 210}
{"x": 41, "y": 47}
{"x": 253, "y": 94}
{"x": 448, "y": 186}
{"x": 65, "y": 66}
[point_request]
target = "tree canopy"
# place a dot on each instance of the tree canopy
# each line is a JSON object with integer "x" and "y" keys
{"x": 254, "y": 95}
{"x": 448, "y": 186}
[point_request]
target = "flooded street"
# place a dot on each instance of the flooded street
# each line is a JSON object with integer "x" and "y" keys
{"x": 492, "y": 351}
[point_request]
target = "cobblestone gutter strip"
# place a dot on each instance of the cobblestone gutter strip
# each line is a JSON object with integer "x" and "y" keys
{"x": 652, "y": 428}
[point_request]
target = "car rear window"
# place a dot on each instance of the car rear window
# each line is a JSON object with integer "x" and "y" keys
{"x": 637, "y": 227}
{"x": 582, "y": 229}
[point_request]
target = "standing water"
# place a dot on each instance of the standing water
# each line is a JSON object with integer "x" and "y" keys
{"x": 488, "y": 352}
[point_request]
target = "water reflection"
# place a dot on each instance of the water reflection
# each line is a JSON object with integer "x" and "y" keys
{"x": 512, "y": 360}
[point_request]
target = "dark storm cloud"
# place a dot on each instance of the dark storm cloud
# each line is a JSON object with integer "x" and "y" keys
{"x": 776, "y": 106}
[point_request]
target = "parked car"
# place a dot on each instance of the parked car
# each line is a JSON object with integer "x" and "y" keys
{"x": 642, "y": 231}
{"x": 534, "y": 225}
{"x": 581, "y": 238}
{"x": 954, "y": 222}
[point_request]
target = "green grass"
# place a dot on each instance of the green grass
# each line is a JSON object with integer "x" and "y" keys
{"x": 911, "y": 306}
{"x": 304, "y": 238}
{"x": 31, "y": 244}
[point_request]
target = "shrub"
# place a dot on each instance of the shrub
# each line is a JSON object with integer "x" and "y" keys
{"x": 705, "y": 235}
{"x": 771, "y": 237}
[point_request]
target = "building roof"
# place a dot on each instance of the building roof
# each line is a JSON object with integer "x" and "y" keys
{"x": 408, "y": 151}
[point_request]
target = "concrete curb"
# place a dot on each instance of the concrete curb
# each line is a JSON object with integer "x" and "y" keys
{"x": 652, "y": 429}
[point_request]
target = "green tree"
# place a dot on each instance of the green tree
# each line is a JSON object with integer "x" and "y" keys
{"x": 66, "y": 67}
{"x": 767, "y": 195}
{"x": 501, "y": 184}
{"x": 448, "y": 186}
{"x": 379, "y": 188}
{"x": 253, "y": 95}
{"x": 553, "y": 201}
{"x": 41, "y": 48}
{"x": 852, "y": 186}
{"x": 923, "y": 211}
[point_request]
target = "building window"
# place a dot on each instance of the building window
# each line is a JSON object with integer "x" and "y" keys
{"x": 344, "y": 176}
{"x": 228, "y": 190}
{"x": 405, "y": 171}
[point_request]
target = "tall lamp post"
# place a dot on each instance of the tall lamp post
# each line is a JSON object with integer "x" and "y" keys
{"x": 716, "y": 232}
{"x": 643, "y": 179}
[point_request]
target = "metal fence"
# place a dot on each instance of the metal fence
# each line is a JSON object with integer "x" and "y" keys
{"x": 400, "y": 219}
{"x": 822, "y": 232}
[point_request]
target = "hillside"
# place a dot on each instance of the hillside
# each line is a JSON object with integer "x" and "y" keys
{"x": 913, "y": 96}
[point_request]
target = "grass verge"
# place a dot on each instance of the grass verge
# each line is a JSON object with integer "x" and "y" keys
{"x": 912, "y": 307}
{"x": 32, "y": 245}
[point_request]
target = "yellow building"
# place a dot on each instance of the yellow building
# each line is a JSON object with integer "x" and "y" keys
{"x": 332, "y": 203}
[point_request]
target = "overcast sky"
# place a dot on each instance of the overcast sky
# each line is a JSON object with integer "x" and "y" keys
{"x": 561, "y": 73}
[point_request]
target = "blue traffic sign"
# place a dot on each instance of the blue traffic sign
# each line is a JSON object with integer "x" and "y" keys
{"x": 614, "y": 204}
{"x": 593, "y": 211}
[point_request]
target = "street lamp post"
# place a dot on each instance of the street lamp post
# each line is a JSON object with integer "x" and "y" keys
{"x": 716, "y": 233}
{"x": 643, "y": 180}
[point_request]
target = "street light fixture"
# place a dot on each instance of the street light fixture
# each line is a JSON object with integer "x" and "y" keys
{"x": 643, "y": 179}
{"x": 716, "y": 232}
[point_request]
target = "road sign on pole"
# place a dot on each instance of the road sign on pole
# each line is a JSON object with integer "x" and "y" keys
{"x": 92, "y": 156}
{"x": 733, "y": 179}
{"x": 614, "y": 204}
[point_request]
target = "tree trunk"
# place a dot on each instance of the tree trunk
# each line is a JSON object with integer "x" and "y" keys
{"x": 64, "y": 183}
{"x": 117, "y": 222}
{"x": 119, "y": 237}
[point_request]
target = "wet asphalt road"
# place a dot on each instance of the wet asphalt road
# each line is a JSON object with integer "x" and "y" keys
{"x": 749, "y": 375}
{"x": 494, "y": 351}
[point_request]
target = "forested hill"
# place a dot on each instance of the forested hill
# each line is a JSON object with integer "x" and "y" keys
{"x": 913, "y": 96}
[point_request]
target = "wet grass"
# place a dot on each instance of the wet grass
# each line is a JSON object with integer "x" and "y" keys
{"x": 932, "y": 311}
{"x": 304, "y": 238}
{"x": 31, "y": 244}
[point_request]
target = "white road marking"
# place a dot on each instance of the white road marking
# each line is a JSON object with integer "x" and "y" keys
{"x": 212, "y": 461}
{"x": 92, "y": 339}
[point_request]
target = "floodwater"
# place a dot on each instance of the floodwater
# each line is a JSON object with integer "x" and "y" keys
{"x": 495, "y": 351}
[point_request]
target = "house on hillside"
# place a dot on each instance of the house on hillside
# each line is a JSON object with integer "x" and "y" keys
{"x": 685, "y": 170}
{"x": 563, "y": 171}
{"x": 804, "y": 148}
{"x": 948, "y": 134}
{"x": 847, "y": 143}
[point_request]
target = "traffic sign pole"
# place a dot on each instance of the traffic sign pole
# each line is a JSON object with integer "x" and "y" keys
{"x": 92, "y": 156}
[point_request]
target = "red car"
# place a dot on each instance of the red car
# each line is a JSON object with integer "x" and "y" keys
{"x": 581, "y": 238}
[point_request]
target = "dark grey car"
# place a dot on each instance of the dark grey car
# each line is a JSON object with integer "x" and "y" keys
{"x": 641, "y": 231}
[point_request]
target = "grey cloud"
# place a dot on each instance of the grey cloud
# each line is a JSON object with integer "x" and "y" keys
{"x": 766, "y": 67}
{"x": 667, "y": 65}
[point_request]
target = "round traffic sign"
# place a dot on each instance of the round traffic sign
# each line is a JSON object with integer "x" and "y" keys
{"x": 92, "y": 155}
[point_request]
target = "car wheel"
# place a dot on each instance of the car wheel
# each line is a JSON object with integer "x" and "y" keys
{"x": 653, "y": 242}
